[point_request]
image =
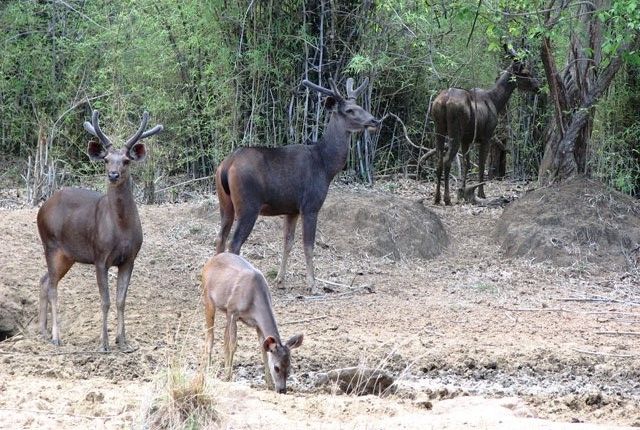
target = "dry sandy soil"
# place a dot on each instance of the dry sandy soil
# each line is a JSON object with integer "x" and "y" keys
{"x": 476, "y": 340}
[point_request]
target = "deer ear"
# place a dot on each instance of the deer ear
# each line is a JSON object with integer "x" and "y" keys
{"x": 138, "y": 152}
{"x": 96, "y": 151}
{"x": 295, "y": 341}
{"x": 269, "y": 344}
{"x": 330, "y": 103}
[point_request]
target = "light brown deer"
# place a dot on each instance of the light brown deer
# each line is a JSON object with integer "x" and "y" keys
{"x": 471, "y": 116}
{"x": 79, "y": 225}
{"x": 292, "y": 180}
{"x": 232, "y": 285}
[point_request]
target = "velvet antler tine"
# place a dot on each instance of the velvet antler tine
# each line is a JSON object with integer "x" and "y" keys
{"x": 334, "y": 89}
{"x": 87, "y": 126}
{"x": 95, "y": 123}
{"x": 350, "y": 93}
{"x": 361, "y": 88}
{"x": 155, "y": 130}
{"x": 317, "y": 88}
{"x": 143, "y": 124}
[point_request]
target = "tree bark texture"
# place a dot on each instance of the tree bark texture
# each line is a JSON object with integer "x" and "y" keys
{"x": 573, "y": 93}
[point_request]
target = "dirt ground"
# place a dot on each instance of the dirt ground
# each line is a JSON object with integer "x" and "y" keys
{"x": 476, "y": 340}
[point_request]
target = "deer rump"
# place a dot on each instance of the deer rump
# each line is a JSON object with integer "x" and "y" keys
{"x": 467, "y": 115}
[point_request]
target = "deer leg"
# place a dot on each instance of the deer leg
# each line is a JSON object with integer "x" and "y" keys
{"x": 482, "y": 160}
{"x": 451, "y": 153}
{"x": 439, "y": 161}
{"x": 102, "y": 276}
{"x": 124, "y": 276}
{"x": 289, "y": 233}
{"x": 465, "y": 169}
{"x": 309, "y": 221}
{"x": 58, "y": 265}
{"x": 209, "y": 318}
{"x": 265, "y": 361}
{"x": 244, "y": 226}
{"x": 44, "y": 304}
{"x": 230, "y": 342}
{"x": 226, "y": 221}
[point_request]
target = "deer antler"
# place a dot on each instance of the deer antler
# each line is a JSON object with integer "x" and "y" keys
{"x": 354, "y": 94}
{"x": 317, "y": 88}
{"x": 141, "y": 134}
{"x": 143, "y": 124}
{"x": 93, "y": 127}
{"x": 334, "y": 88}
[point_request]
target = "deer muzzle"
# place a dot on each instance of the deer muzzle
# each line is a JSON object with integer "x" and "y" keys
{"x": 374, "y": 124}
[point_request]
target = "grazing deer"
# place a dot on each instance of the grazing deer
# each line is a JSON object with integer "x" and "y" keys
{"x": 231, "y": 284}
{"x": 292, "y": 180}
{"x": 79, "y": 225}
{"x": 471, "y": 116}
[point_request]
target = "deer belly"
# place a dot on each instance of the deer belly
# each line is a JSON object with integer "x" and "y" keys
{"x": 121, "y": 254}
{"x": 271, "y": 210}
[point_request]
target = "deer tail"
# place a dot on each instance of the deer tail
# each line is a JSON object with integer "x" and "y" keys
{"x": 223, "y": 177}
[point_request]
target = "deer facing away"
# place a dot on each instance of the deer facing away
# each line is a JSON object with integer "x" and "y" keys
{"x": 471, "y": 116}
{"x": 292, "y": 180}
{"x": 79, "y": 225}
{"x": 232, "y": 285}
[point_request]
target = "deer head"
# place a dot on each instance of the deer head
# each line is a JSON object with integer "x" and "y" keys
{"x": 525, "y": 79}
{"x": 117, "y": 160}
{"x": 279, "y": 357}
{"x": 346, "y": 109}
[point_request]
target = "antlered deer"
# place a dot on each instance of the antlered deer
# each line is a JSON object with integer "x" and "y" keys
{"x": 231, "y": 284}
{"x": 79, "y": 225}
{"x": 471, "y": 116}
{"x": 292, "y": 180}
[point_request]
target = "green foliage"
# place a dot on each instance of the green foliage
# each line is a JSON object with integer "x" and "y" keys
{"x": 616, "y": 154}
{"x": 220, "y": 74}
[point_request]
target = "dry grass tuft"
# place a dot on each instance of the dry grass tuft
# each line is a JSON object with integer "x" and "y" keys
{"x": 186, "y": 403}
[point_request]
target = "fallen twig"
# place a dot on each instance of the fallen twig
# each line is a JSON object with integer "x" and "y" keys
{"x": 179, "y": 184}
{"x": 538, "y": 310}
{"x": 36, "y": 411}
{"x": 305, "y": 320}
{"x": 607, "y": 354}
{"x": 620, "y": 333}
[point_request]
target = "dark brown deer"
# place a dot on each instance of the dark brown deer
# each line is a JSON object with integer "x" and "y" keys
{"x": 292, "y": 180}
{"x": 232, "y": 285}
{"x": 79, "y": 225}
{"x": 471, "y": 116}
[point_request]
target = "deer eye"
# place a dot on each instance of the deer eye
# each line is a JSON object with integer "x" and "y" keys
{"x": 349, "y": 110}
{"x": 277, "y": 369}
{"x": 125, "y": 162}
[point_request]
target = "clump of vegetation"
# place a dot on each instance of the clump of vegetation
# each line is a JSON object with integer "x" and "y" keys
{"x": 186, "y": 402}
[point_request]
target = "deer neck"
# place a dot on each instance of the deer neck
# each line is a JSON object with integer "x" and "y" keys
{"x": 334, "y": 146}
{"x": 502, "y": 90}
{"x": 122, "y": 205}
{"x": 267, "y": 324}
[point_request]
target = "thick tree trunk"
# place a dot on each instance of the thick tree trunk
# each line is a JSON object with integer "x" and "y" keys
{"x": 573, "y": 93}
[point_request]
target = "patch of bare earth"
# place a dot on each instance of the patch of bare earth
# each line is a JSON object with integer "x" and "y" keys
{"x": 476, "y": 339}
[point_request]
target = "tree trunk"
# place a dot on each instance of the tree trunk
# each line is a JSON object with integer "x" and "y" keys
{"x": 573, "y": 93}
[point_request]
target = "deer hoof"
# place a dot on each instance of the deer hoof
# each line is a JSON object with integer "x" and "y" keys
{"x": 125, "y": 347}
{"x": 56, "y": 342}
{"x": 314, "y": 291}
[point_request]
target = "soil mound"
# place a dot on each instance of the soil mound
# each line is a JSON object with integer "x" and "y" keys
{"x": 580, "y": 221}
{"x": 381, "y": 225}
{"x": 10, "y": 312}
